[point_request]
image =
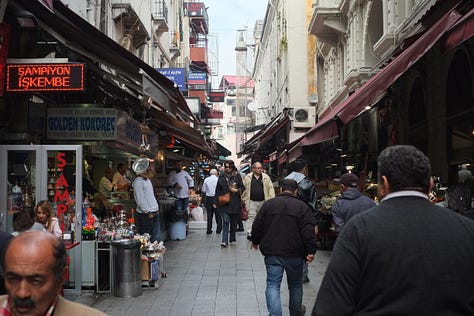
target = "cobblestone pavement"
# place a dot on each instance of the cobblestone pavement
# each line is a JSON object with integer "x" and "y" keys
{"x": 204, "y": 279}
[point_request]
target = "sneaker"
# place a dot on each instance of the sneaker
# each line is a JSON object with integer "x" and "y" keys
{"x": 305, "y": 280}
{"x": 302, "y": 310}
{"x": 233, "y": 242}
{"x": 224, "y": 244}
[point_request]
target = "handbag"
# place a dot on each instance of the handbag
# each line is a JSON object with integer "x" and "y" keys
{"x": 244, "y": 212}
{"x": 223, "y": 199}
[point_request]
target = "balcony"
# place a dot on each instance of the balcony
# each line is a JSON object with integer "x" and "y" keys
{"x": 160, "y": 16}
{"x": 197, "y": 13}
{"x": 198, "y": 57}
{"x": 327, "y": 22}
{"x": 132, "y": 27}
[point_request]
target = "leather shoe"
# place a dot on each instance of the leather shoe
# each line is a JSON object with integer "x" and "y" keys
{"x": 240, "y": 230}
{"x": 209, "y": 232}
{"x": 305, "y": 280}
{"x": 302, "y": 310}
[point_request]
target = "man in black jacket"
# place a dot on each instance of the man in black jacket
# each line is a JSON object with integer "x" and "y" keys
{"x": 284, "y": 232}
{"x": 405, "y": 256}
{"x": 307, "y": 193}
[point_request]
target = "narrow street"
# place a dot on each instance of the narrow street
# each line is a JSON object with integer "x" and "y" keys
{"x": 204, "y": 279}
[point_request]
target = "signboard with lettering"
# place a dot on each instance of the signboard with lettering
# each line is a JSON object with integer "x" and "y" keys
{"x": 45, "y": 77}
{"x": 216, "y": 96}
{"x": 81, "y": 124}
{"x": 197, "y": 78}
{"x": 129, "y": 133}
{"x": 177, "y": 75}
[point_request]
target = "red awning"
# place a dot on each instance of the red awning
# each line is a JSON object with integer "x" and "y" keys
{"x": 374, "y": 89}
{"x": 460, "y": 32}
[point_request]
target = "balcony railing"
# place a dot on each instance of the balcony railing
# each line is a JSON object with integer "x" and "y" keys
{"x": 160, "y": 10}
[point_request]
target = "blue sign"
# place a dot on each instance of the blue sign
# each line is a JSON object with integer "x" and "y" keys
{"x": 197, "y": 77}
{"x": 177, "y": 75}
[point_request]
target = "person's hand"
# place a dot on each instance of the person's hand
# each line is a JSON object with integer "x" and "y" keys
{"x": 178, "y": 186}
{"x": 253, "y": 246}
{"x": 309, "y": 258}
{"x": 316, "y": 230}
{"x": 214, "y": 205}
{"x": 191, "y": 192}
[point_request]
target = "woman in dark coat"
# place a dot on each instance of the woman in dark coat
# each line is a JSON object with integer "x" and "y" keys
{"x": 229, "y": 180}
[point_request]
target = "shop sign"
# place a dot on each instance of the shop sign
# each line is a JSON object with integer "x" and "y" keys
{"x": 4, "y": 43}
{"x": 81, "y": 124}
{"x": 45, "y": 77}
{"x": 194, "y": 9}
{"x": 177, "y": 75}
{"x": 129, "y": 133}
{"x": 61, "y": 193}
{"x": 197, "y": 78}
{"x": 216, "y": 96}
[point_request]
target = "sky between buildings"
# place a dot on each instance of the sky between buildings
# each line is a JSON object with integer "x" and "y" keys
{"x": 225, "y": 18}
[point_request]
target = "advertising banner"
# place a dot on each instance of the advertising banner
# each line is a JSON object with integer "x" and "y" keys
{"x": 81, "y": 124}
{"x": 177, "y": 75}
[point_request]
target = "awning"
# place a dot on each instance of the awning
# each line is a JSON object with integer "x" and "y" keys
{"x": 182, "y": 131}
{"x": 460, "y": 32}
{"x": 219, "y": 150}
{"x": 266, "y": 133}
{"x": 374, "y": 89}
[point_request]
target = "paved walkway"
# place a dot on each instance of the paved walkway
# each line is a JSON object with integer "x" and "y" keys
{"x": 204, "y": 279}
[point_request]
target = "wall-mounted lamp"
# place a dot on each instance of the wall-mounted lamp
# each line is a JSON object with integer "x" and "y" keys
{"x": 25, "y": 19}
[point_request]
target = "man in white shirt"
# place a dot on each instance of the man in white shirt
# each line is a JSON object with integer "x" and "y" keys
{"x": 147, "y": 218}
{"x": 209, "y": 188}
{"x": 183, "y": 185}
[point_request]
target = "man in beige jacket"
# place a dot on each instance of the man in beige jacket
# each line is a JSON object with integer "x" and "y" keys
{"x": 35, "y": 262}
{"x": 258, "y": 189}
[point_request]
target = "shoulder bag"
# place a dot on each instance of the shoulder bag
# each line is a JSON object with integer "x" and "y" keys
{"x": 223, "y": 199}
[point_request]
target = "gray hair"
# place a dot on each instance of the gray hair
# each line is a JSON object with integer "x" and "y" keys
{"x": 213, "y": 172}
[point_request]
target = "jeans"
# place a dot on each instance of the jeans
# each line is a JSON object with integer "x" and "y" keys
{"x": 182, "y": 204}
{"x": 293, "y": 266}
{"x": 229, "y": 221}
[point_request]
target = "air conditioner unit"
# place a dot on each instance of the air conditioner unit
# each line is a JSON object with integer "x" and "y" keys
{"x": 304, "y": 117}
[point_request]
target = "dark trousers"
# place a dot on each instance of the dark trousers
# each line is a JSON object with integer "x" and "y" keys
{"x": 149, "y": 223}
{"x": 212, "y": 211}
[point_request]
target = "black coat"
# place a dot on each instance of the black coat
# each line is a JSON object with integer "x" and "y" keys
{"x": 284, "y": 227}
{"x": 234, "y": 207}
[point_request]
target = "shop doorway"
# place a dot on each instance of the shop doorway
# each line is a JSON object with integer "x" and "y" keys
{"x": 33, "y": 173}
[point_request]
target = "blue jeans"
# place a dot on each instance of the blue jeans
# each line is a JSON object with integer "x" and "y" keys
{"x": 229, "y": 227}
{"x": 182, "y": 204}
{"x": 293, "y": 266}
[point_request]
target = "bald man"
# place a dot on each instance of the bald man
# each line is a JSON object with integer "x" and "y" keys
{"x": 34, "y": 269}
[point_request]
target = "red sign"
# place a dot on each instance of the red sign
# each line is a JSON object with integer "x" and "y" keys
{"x": 216, "y": 96}
{"x": 45, "y": 77}
{"x": 4, "y": 42}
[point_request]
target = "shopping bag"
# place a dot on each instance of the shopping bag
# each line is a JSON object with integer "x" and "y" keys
{"x": 245, "y": 213}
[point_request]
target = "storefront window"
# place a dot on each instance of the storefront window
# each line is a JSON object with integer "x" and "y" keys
{"x": 21, "y": 184}
{"x": 61, "y": 184}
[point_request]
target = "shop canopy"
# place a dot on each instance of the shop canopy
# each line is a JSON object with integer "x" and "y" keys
{"x": 265, "y": 134}
{"x": 374, "y": 89}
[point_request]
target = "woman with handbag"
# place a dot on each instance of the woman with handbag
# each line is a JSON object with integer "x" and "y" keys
{"x": 228, "y": 200}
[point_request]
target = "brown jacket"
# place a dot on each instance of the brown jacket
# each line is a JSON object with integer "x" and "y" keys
{"x": 65, "y": 307}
